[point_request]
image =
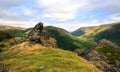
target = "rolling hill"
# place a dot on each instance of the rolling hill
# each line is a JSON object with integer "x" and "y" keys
{"x": 31, "y": 57}
{"x": 106, "y": 53}
{"x": 65, "y": 40}
{"x": 105, "y": 56}
{"x": 112, "y": 34}
{"x": 109, "y": 31}
{"x": 95, "y": 44}
{"x": 14, "y": 31}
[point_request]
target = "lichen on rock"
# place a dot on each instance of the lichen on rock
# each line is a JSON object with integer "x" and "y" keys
{"x": 39, "y": 35}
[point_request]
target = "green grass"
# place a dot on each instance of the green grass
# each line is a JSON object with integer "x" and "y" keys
{"x": 67, "y": 41}
{"x": 19, "y": 33}
{"x": 110, "y": 32}
{"x": 113, "y": 54}
{"x": 41, "y": 59}
{"x": 92, "y": 35}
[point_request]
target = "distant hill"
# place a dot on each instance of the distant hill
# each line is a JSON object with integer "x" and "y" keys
{"x": 79, "y": 32}
{"x": 66, "y": 40}
{"x": 96, "y": 33}
{"x": 29, "y": 57}
{"x": 112, "y": 34}
{"x": 25, "y": 51}
{"x": 9, "y": 28}
{"x": 14, "y": 31}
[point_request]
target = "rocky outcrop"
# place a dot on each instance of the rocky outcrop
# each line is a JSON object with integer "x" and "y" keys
{"x": 96, "y": 58}
{"x": 106, "y": 56}
{"x": 36, "y": 33}
{"x": 39, "y": 35}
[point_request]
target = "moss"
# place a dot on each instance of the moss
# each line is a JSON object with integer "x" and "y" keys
{"x": 110, "y": 53}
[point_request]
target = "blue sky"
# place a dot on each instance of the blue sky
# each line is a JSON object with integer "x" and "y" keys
{"x": 67, "y": 14}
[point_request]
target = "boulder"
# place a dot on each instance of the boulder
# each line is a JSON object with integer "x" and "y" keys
{"x": 39, "y": 35}
{"x": 36, "y": 32}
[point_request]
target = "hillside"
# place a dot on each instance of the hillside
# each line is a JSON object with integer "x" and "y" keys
{"x": 106, "y": 53}
{"x": 65, "y": 40}
{"x": 112, "y": 34}
{"x": 39, "y": 50}
{"x": 14, "y": 31}
{"x": 31, "y": 57}
{"x": 109, "y": 31}
{"x": 9, "y": 28}
{"x": 105, "y": 56}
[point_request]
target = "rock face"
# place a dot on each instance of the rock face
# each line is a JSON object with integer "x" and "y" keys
{"x": 39, "y": 35}
{"x": 106, "y": 56}
{"x": 36, "y": 33}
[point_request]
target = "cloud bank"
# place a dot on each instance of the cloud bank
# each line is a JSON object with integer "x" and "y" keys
{"x": 67, "y": 14}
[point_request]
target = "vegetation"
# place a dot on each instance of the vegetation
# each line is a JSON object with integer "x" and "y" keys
{"x": 20, "y": 55}
{"x": 65, "y": 40}
{"x": 27, "y": 57}
{"x": 90, "y": 32}
{"x": 110, "y": 50}
{"x": 4, "y": 35}
{"x": 50, "y": 42}
{"x": 19, "y": 33}
{"x": 13, "y": 31}
{"x": 95, "y": 34}
{"x": 112, "y": 34}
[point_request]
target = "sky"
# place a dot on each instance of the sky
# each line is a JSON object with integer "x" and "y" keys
{"x": 67, "y": 14}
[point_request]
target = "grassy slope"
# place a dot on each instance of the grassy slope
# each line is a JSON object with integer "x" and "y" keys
{"x": 90, "y": 32}
{"x": 14, "y": 31}
{"x": 65, "y": 40}
{"x": 35, "y": 58}
{"x": 110, "y": 50}
{"x": 110, "y": 32}
{"x": 7, "y": 28}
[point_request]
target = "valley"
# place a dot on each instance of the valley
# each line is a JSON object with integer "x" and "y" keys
{"x": 53, "y": 49}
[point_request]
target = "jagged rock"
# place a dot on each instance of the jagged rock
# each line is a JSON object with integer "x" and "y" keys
{"x": 39, "y": 27}
{"x": 35, "y": 34}
{"x": 101, "y": 56}
{"x": 39, "y": 35}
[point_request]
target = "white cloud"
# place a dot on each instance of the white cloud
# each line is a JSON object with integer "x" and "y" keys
{"x": 72, "y": 27}
{"x": 60, "y": 10}
{"x": 17, "y": 23}
{"x": 29, "y": 13}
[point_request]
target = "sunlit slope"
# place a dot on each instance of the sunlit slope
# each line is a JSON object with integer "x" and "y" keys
{"x": 112, "y": 34}
{"x": 109, "y": 31}
{"x": 26, "y": 57}
{"x": 65, "y": 40}
{"x": 13, "y": 31}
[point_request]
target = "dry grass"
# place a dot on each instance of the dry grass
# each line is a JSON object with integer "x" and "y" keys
{"x": 29, "y": 57}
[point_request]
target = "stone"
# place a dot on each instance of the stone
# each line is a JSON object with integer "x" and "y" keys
{"x": 39, "y": 35}
{"x": 35, "y": 34}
